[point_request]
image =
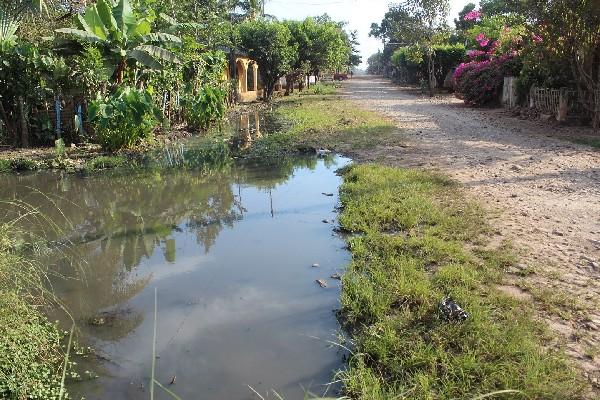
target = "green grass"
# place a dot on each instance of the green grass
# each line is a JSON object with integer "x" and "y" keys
{"x": 329, "y": 121}
{"x": 421, "y": 241}
{"x": 592, "y": 142}
{"x": 321, "y": 89}
{"x": 104, "y": 162}
{"x": 5, "y": 165}
{"x": 31, "y": 351}
{"x": 310, "y": 121}
{"x": 17, "y": 164}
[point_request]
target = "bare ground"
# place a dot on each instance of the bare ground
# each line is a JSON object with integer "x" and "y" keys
{"x": 543, "y": 193}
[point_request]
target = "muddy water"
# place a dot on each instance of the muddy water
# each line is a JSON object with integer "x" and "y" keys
{"x": 230, "y": 254}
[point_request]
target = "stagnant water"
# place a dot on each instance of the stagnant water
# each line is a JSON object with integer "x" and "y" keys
{"x": 231, "y": 256}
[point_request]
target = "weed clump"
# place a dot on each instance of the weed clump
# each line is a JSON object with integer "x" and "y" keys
{"x": 104, "y": 162}
{"x": 31, "y": 354}
{"x": 419, "y": 244}
{"x": 5, "y": 166}
{"x": 17, "y": 165}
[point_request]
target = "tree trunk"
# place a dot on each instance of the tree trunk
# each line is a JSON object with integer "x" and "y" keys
{"x": 120, "y": 72}
{"x": 7, "y": 123}
{"x": 430, "y": 70}
{"x": 23, "y": 122}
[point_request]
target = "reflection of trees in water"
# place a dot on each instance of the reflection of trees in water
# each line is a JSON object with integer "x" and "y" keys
{"x": 117, "y": 220}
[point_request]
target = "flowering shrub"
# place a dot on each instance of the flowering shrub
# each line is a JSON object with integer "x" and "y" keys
{"x": 473, "y": 15}
{"x": 479, "y": 83}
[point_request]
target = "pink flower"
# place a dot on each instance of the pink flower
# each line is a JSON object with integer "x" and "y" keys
{"x": 537, "y": 38}
{"x": 475, "y": 53}
{"x": 473, "y": 15}
{"x": 482, "y": 40}
{"x": 493, "y": 47}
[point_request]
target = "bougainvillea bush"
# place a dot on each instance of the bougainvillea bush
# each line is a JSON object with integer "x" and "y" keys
{"x": 479, "y": 83}
{"x": 496, "y": 53}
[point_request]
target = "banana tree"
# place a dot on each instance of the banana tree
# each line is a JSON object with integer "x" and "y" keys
{"x": 123, "y": 36}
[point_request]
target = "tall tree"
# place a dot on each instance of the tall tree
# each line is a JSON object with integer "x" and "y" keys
{"x": 461, "y": 23}
{"x": 355, "y": 59}
{"x": 415, "y": 22}
{"x": 570, "y": 29}
{"x": 375, "y": 64}
{"x": 269, "y": 43}
{"x": 503, "y": 7}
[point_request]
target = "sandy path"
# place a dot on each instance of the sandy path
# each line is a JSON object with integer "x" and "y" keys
{"x": 546, "y": 192}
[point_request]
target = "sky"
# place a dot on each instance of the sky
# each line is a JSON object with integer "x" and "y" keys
{"x": 359, "y": 14}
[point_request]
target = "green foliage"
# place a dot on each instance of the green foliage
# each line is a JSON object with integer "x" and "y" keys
{"x": 322, "y": 44}
{"x": 322, "y": 89}
{"x": 123, "y": 36}
{"x": 12, "y": 12}
{"x": 375, "y": 64}
{"x": 89, "y": 72}
{"x": 460, "y": 22}
{"x": 542, "y": 67}
{"x": 59, "y": 148}
{"x": 205, "y": 107}
{"x": 411, "y": 61}
{"x": 30, "y": 351}
{"x": 270, "y": 45}
{"x": 104, "y": 162}
{"x": 23, "y": 164}
{"x": 504, "y": 7}
{"x": 123, "y": 118}
{"x": 5, "y": 165}
{"x": 416, "y": 247}
{"x": 573, "y": 39}
{"x": 33, "y": 75}
{"x": 480, "y": 83}
{"x": 508, "y": 30}
{"x": 31, "y": 355}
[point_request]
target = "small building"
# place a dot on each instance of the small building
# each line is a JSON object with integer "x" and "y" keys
{"x": 245, "y": 73}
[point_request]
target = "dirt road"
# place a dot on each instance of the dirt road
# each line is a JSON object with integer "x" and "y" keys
{"x": 544, "y": 194}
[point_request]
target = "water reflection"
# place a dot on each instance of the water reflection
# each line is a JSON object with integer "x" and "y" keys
{"x": 248, "y": 125}
{"x": 228, "y": 252}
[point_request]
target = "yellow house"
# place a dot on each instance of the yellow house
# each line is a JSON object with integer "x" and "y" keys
{"x": 248, "y": 87}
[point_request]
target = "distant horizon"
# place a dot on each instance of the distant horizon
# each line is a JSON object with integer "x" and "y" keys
{"x": 359, "y": 15}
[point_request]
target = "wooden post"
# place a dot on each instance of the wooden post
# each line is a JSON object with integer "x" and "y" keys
{"x": 532, "y": 97}
{"x": 563, "y": 106}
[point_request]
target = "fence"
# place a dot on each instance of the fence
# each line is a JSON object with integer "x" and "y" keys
{"x": 564, "y": 103}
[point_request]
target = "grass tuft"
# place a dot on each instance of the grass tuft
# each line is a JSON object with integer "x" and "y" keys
{"x": 104, "y": 162}
{"x": 17, "y": 165}
{"x": 31, "y": 351}
{"x": 421, "y": 242}
{"x": 5, "y": 166}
